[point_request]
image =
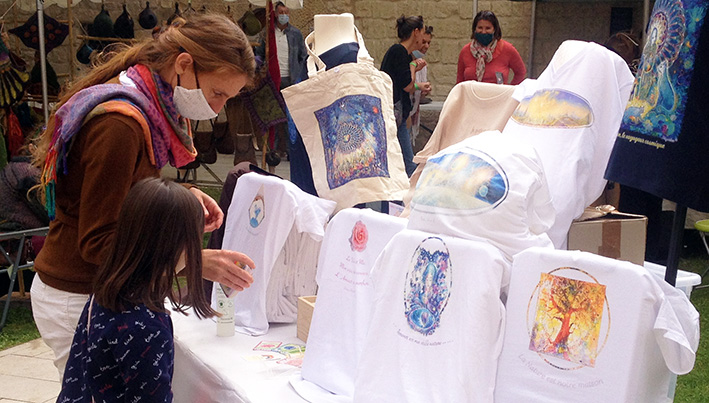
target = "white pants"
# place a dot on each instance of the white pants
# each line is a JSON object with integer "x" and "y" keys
{"x": 56, "y": 314}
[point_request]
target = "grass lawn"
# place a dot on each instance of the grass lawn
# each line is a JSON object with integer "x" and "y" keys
{"x": 19, "y": 327}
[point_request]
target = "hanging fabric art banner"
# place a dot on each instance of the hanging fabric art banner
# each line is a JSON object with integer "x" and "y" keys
{"x": 13, "y": 81}
{"x": 346, "y": 118}
{"x": 662, "y": 140}
{"x": 54, "y": 32}
{"x": 265, "y": 104}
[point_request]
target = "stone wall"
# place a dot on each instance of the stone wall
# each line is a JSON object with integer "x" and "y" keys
{"x": 557, "y": 22}
{"x": 451, "y": 19}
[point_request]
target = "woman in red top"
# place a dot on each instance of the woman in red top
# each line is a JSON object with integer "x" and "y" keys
{"x": 489, "y": 58}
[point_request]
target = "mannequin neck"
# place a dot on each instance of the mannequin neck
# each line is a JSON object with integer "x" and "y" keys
{"x": 332, "y": 30}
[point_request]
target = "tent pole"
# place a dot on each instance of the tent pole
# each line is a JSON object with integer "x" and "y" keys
{"x": 42, "y": 58}
{"x": 533, "y": 23}
{"x": 675, "y": 243}
{"x": 646, "y": 20}
{"x": 72, "y": 58}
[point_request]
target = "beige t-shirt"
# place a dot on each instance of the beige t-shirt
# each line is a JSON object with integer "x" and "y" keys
{"x": 471, "y": 108}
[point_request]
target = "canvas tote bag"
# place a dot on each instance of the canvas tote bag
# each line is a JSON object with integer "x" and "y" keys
{"x": 346, "y": 118}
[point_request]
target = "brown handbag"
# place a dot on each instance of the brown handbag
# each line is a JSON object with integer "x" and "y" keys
{"x": 205, "y": 143}
{"x": 224, "y": 141}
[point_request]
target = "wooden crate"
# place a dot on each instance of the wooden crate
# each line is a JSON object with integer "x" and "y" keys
{"x": 306, "y": 305}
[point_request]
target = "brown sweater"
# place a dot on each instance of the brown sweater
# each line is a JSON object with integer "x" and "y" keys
{"x": 108, "y": 156}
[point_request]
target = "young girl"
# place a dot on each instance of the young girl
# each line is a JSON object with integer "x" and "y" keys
{"x": 123, "y": 345}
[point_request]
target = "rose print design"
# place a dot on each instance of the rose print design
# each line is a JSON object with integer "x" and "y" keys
{"x": 360, "y": 236}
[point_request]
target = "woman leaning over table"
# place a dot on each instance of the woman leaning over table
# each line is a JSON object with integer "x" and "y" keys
{"x": 122, "y": 122}
{"x": 489, "y": 58}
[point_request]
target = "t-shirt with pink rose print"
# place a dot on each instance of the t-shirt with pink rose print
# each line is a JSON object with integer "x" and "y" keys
{"x": 353, "y": 240}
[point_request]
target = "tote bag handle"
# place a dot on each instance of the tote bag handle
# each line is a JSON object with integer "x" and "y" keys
{"x": 316, "y": 65}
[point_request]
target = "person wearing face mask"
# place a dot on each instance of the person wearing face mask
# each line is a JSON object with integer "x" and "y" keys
{"x": 120, "y": 123}
{"x": 402, "y": 68}
{"x": 292, "y": 56}
{"x": 488, "y": 58}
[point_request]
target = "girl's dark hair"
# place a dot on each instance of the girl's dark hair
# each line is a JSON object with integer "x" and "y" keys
{"x": 487, "y": 16}
{"x": 405, "y": 26}
{"x": 428, "y": 30}
{"x": 159, "y": 221}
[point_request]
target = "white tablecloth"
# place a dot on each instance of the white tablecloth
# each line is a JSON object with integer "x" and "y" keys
{"x": 226, "y": 369}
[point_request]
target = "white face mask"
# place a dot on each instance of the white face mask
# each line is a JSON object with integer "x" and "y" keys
{"x": 192, "y": 104}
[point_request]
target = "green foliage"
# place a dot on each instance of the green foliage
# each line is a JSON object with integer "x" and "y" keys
{"x": 692, "y": 388}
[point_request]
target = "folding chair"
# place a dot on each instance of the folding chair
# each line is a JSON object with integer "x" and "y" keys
{"x": 15, "y": 266}
{"x": 702, "y": 228}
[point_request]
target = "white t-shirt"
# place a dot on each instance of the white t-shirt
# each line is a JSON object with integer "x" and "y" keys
{"x": 282, "y": 52}
{"x": 262, "y": 213}
{"x": 437, "y": 324}
{"x": 353, "y": 240}
{"x": 585, "y": 328}
{"x": 572, "y": 119}
{"x": 485, "y": 188}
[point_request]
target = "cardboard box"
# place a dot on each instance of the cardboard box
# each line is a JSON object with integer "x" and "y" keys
{"x": 306, "y": 305}
{"x": 615, "y": 235}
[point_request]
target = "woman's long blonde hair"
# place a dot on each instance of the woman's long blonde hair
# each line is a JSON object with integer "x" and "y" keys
{"x": 215, "y": 43}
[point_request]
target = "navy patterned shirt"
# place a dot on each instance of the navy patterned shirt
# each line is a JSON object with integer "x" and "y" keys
{"x": 126, "y": 356}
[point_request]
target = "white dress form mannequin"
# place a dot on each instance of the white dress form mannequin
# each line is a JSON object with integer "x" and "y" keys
{"x": 331, "y": 30}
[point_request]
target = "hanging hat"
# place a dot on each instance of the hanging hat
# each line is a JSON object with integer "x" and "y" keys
{"x": 175, "y": 15}
{"x": 250, "y": 23}
{"x": 35, "y": 86}
{"x": 103, "y": 25}
{"x": 123, "y": 27}
{"x": 83, "y": 55}
{"x": 12, "y": 80}
{"x": 147, "y": 18}
{"x": 188, "y": 11}
{"x": 54, "y": 32}
{"x": 272, "y": 158}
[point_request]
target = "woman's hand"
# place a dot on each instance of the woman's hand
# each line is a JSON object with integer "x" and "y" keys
{"x": 213, "y": 215}
{"x": 227, "y": 267}
{"x": 425, "y": 88}
{"x": 420, "y": 63}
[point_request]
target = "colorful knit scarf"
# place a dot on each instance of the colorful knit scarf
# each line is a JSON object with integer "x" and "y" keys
{"x": 167, "y": 135}
{"x": 482, "y": 55}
